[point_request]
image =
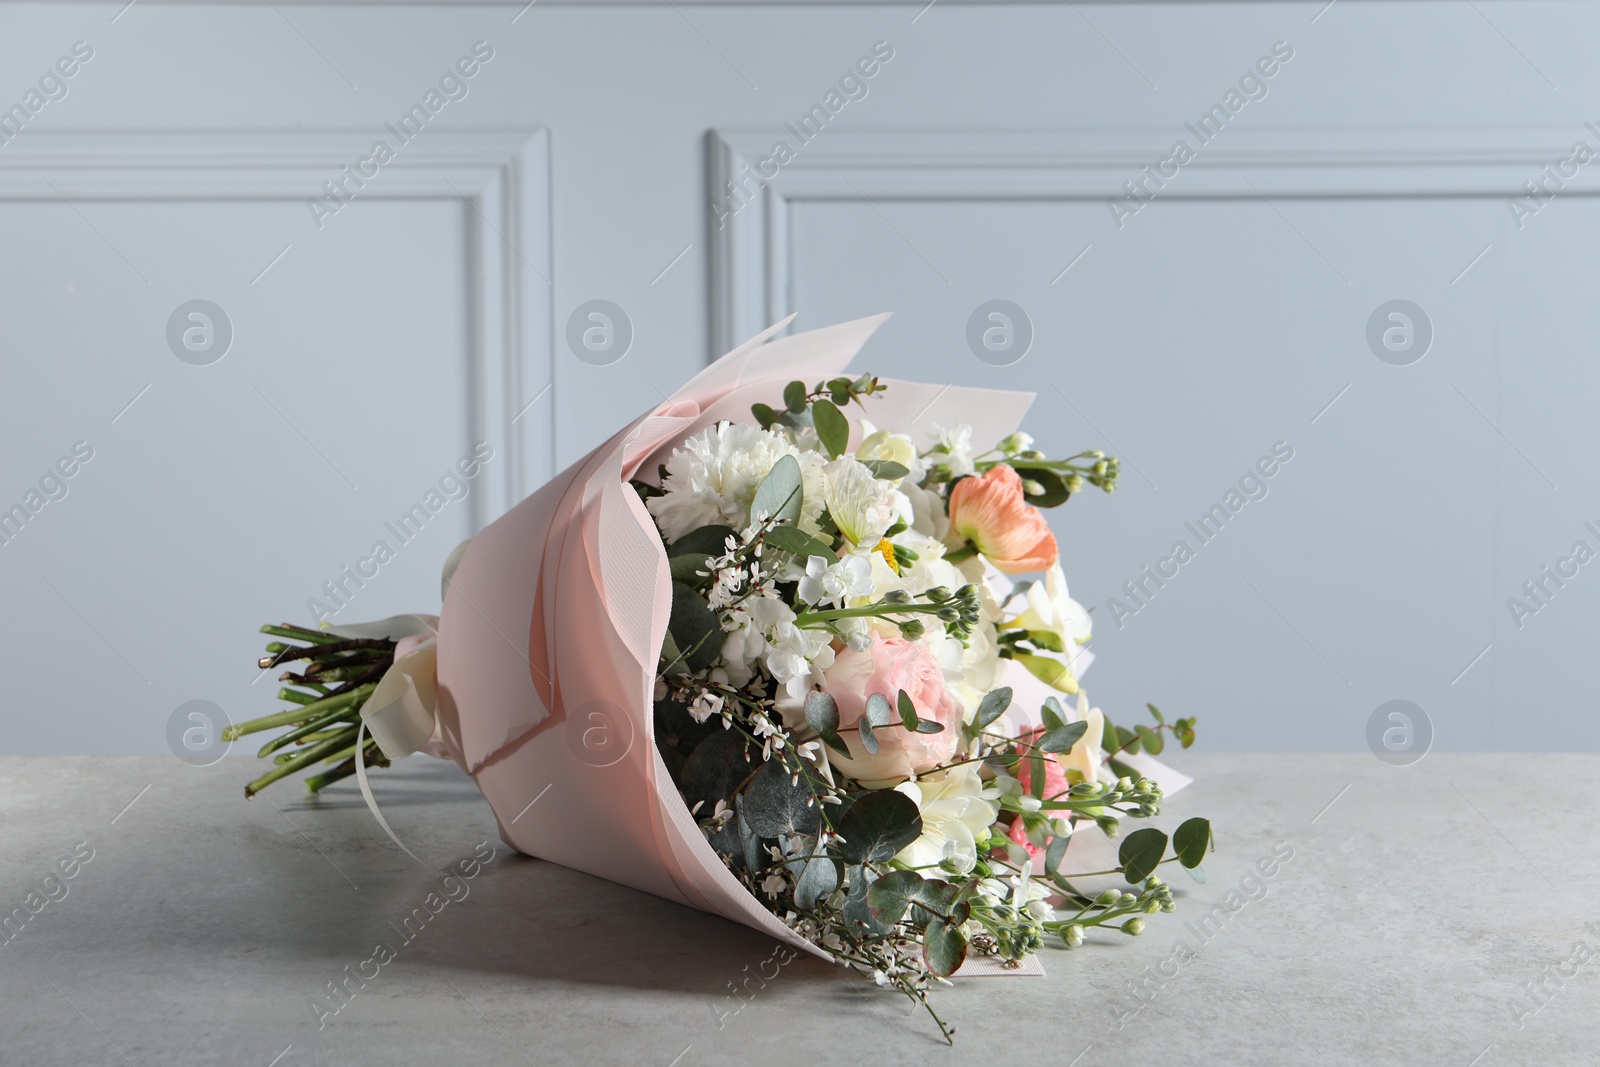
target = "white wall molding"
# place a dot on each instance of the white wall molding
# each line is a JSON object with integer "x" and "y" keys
{"x": 503, "y": 176}
{"x": 750, "y": 228}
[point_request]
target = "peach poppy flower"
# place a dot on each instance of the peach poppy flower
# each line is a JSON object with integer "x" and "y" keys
{"x": 990, "y": 512}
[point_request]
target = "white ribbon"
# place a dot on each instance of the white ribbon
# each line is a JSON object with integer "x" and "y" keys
{"x": 402, "y": 714}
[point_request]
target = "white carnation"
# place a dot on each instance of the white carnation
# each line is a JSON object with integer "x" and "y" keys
{"x": 713, "y": 478}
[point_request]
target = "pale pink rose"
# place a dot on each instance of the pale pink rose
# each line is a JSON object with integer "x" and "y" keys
{"x": 992, "y": 513}
{"x": 889, "y": 665}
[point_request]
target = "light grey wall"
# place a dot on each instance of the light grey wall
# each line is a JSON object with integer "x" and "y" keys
{"x": 1214, "y": 323}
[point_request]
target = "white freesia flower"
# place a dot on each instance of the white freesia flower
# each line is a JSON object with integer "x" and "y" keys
{"x": 956, "y": 443}
{"x": 888, "y": 447}
{"x": 862, "y": 505}
{"x": 1086, "y": 756}
{"x": 713, "y": 478}
{"x": 957, "y": 812}
{"x": 1050, "y": 608}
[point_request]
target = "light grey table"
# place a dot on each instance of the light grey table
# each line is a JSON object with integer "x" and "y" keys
{"x": 1420, "y": 907}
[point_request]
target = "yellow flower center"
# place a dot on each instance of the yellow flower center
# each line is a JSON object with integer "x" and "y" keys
{"x": 885, "y": 548}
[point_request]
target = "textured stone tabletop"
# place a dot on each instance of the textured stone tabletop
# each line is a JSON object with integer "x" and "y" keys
{"x": 1443, "y": 913}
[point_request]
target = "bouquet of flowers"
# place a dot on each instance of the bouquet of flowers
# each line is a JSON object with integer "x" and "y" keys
{"x": 765, "y": 648}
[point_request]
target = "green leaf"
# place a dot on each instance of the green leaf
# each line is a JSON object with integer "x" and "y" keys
{"x": 928, "y": 899}
{"x": 715, "y": 768}
{"x": 869, "y": 737}
{"x": 892, "y": 894}
{"x": 1036, "y": 775}
{"x": 803, "y": 545}
{"x": 993, "y": 705}
{"x": 1051, "y": 672}
{"x": 944, "y": 948}
{"x": 1063, "y": 737}
{"x": 1155, "y": 713}
{"x": 1052, "y": 714}
{"x": 835, "y": 742}
{"x": 705, "y": 541}
{"x": 778, "y": 497}
{"x": 1055, "y": 853}
{"x": 856, "y": 910}
{"x": 928, "y": 726}
{"x": 822, "y": 712}
{"x": 694, "y": 627}
{"x": 794, "y": 397}
{"x": 1127, "y": 740}
{"x": 687, "y": 568}
{"x": 1108, "y": 734}
{"x": 908, "y": 710}
{"x": 938, "y": 899}
{"x": 749, "y": 841}
{"x": 1055, "y": 487}
{"x": 775, "y": 804}
{"x": 819, "y": 877}
{"x": 879, "y": 714}
{"x": 886, "y": 469}
{"x": 764, "y": 415}
{"x": 1191, "y": 841}
{"x": 878, "y": 826}
{"x": 1140, "y": 852}
{"x": 671, "y": 655}
{"x": 1151, "y": 739}
{"x": 833, "y": 429}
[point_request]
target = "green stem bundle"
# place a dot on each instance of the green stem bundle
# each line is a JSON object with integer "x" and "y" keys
{"x": 325, "y": 700}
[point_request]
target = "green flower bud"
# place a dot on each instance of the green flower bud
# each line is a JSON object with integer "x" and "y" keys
{"x": 1108, "y": 898}
{"x": 1133, "y": 927}
{"x": 1072, "y": 935}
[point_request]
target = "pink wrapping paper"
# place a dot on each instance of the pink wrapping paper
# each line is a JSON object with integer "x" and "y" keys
{"x": 554, "y": 620}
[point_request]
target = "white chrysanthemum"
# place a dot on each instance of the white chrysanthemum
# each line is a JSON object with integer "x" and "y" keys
{"x": 863, "y": 506}
{"x": 713, "y": 478}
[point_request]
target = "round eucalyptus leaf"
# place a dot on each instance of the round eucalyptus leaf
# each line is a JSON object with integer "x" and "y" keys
{"x": 878, "y": 826}
{"x": 775, "y": 804}
{"x": 944, "y": 948}
{"x": 1141, "y": 851}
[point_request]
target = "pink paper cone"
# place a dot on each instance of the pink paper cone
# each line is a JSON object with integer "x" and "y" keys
{"x": 554, "y": 621}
